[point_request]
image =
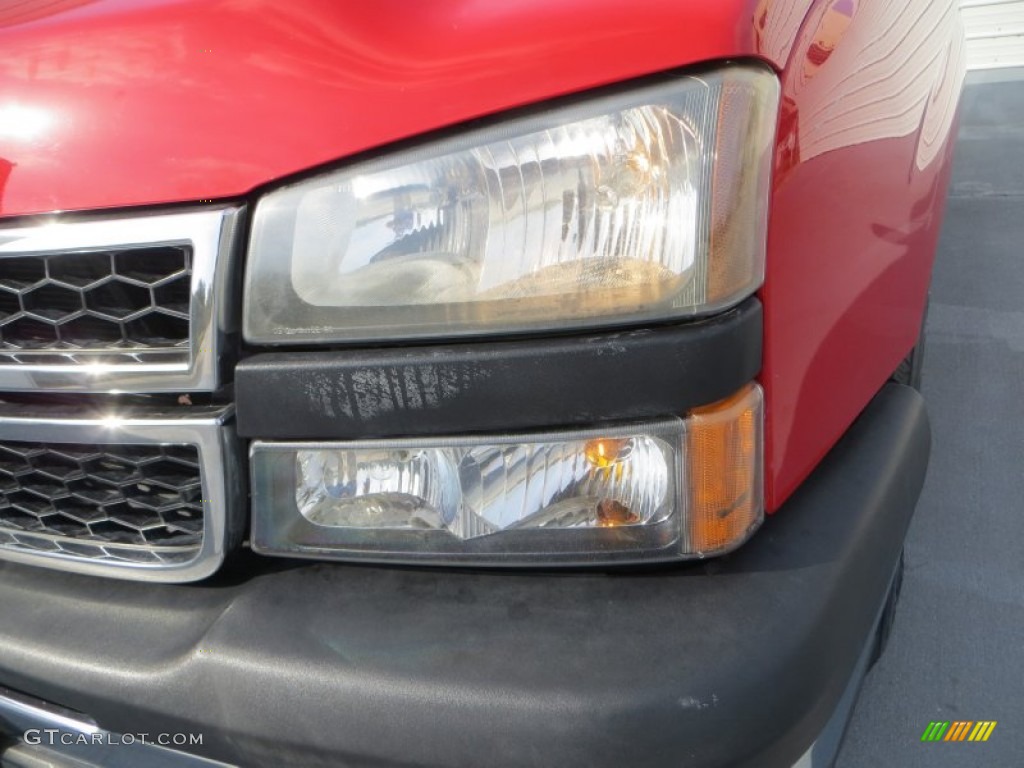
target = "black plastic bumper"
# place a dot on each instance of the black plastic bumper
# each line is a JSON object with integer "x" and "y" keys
{"x": 737, "y": 661}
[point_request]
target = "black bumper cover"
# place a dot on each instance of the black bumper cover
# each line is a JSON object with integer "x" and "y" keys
{"x": 736, "y": 661}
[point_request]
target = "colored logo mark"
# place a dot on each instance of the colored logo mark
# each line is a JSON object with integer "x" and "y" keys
{"x": 959, "y": 730}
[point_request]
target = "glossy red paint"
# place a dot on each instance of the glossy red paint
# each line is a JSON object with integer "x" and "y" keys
{"x": 138, "y": 102}
{"x": 862, "y": 163}
{"x": 116, "y": 103}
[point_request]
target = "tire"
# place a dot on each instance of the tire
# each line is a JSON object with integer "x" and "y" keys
{"x": 910, "y": 368}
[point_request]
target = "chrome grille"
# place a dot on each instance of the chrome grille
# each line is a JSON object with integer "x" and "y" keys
{"x": 140, "y": 492}
{"x": 135, "y": 298}
{"x": 135, "y": 503}
{"x": 123, "y": 303}
{"x": 132, "y": 312}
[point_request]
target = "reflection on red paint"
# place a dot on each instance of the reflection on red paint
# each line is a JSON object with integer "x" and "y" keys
{"x": 863, "y": 157}
{"x": 27, "y": 12}
{"x": 189, "y": 99}
{"x": 787, "y": 143}
{"x": 828, "y": 34}
{"x": 5, "y": 173}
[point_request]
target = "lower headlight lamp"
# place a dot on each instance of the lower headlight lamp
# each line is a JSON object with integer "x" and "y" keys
{"x": 670, "y": 489}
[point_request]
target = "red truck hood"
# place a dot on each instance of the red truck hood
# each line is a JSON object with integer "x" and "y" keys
{"x": 107, "y": 103}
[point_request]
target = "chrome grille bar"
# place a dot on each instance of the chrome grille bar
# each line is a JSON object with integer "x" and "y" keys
{"x": 64, "y": 465}
{"x": 118, "y": 304}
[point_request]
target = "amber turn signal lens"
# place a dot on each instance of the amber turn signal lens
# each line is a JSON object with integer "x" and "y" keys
{"x": 605, "y": 451}
{"x": 724, "y": 462}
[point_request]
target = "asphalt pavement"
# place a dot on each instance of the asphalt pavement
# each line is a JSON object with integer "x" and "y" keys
{"x": 957, "y": 647}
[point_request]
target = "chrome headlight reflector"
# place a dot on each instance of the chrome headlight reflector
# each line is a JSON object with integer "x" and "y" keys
{"x": 647, "y": 204}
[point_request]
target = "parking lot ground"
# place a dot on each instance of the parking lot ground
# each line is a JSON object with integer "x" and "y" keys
{"x": 957, "y": 648}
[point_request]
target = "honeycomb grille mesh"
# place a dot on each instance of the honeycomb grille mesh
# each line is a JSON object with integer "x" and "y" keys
{"x": 123, "y": 503}
{"x": 129, "y": 300}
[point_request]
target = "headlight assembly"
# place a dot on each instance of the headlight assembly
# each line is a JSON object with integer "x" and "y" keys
{"x": 645, "y": 205}
{"x": 650, "y": 491}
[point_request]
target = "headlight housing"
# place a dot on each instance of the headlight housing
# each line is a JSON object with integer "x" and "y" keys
{"x": 645, "y": 205}
{"x": 642, "y": 492}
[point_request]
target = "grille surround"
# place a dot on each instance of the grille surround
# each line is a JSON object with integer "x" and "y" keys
{"x": 192, "y": 364}
{"x": 218, "y": 470}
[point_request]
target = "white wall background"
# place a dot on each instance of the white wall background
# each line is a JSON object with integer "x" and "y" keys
{"x": 995, "y": 33}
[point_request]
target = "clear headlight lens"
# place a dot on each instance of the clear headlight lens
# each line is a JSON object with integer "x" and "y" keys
{"x": 647, "y": 204}
{"x": 655, "y": 491}
{"x": 480, "y": 490}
